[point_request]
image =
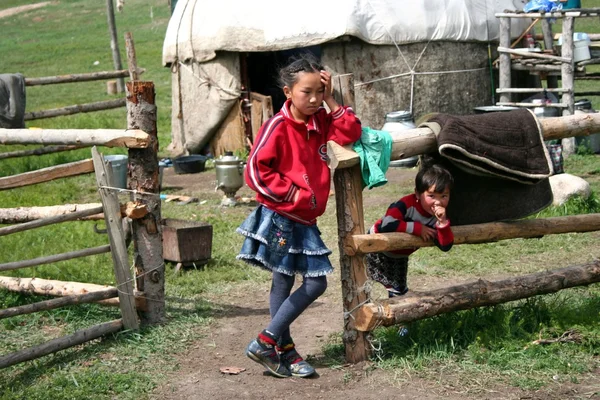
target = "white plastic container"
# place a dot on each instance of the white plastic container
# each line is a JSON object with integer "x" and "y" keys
{"x": 581, "y": 49}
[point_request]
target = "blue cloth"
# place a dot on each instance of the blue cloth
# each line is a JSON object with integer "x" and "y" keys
{"x": 276, "y": 243}
{"x": 374, "y": 149}
{"x": 542, "y": 5}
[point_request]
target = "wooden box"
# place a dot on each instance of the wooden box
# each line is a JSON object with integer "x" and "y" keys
{"x": 186, "y": 241}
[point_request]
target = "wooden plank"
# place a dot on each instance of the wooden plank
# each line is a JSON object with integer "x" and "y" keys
{"x": 350, "y": 221}
{"x": 52, "y": 346}
{"x": 147, "y": 237}
{"x": 419, "y": 305}
{"x": 59, "y": 302}
{"x": 478, "y": 233}
{"x": 49, "y": 221}
{"x": 132, "y": 138}
{"x": 75, "y": 109}
{"x": 47, "y": 174}
{"x": 54, "y": 258}
{"x": 114, "y": 227}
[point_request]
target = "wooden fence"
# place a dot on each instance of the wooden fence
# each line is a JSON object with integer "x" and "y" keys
{"x": 361, "y": 314}
{"x": 141, "y": 225}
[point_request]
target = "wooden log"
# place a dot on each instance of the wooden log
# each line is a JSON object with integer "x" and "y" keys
{"x": 47, "y": 174}
{"x": 114, "y": 43}
{"x": 133, "y": 138}
{"x": 116, "y": 236}
{"x": 478, "y": 233}
{"x": 55, "y": 258}
{"x": 26, "y": 214}
{"x": 75, "y": 109}
{"x": 419, "y": 305}
{"x": 568, "y": 80}
{"x": 52, "y": 346}
{"x": 39, "y": 151}
{"x": 49, "y": 221}
{"x": 504, "y": 65}
{"x": 412, "y": 142}
{"x": 131, "y": 58}
{"x": 59, "y": 302}
{"x": 86, "y": 77}
{"x": 47, "y": 287}
{"x": 552, "y": 81}
{"x": 350, "y": 221}
{"x": 147, "y": 236}
{"x": 529, "y": 54}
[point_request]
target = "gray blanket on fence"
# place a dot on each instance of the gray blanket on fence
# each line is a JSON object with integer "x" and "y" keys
{"x": 499, "y": 162}
{"x": 12, "y": 101}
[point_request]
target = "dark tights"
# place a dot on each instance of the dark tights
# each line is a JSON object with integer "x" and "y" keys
{"x": 285, "y": 308}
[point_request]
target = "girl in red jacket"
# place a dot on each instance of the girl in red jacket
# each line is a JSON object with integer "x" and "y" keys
{"x": 287, "y": 168}
{"x": 422, "y": 213}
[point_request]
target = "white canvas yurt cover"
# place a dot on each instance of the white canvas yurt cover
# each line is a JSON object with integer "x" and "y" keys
{"x": 203, "y": 38}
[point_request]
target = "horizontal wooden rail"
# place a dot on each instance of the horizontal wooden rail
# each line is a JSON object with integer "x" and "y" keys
{"x": 50, "y": 287}
{"x": 418, "y": 305}
{"x": 75, "y": 109}
{"x": 25, "y": 214}
{"x": 131, "y": 138}
{"x": 49, "y": 221}
{"x": 47, "y": 174}
{"x": 85, "y": 77}
{"x": 412, "y": 142}
{"x": 39, "y": 151}
{"x": 529, "y": 54}
{"x": 55, "y": 258}
{"x": 531, "y": 90}
{"x": 518, "y": 104}
{"x": 59, "y": 302}
{"x": 478, "y": 233}
{"x": 52, "y": 346}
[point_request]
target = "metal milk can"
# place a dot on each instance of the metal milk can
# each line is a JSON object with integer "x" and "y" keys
{"x": 399, "y": 121}
{"x": 230, "y": 174}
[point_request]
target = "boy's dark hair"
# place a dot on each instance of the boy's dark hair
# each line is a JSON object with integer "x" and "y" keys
{"x": 305, "y": 62}
{"x": 432, "y": 174}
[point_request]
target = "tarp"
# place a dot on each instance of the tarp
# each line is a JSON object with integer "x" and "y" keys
{"x": 199, "y": 28}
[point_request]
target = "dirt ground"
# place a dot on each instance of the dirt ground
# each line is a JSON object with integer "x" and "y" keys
{"x": 246, "y": 312}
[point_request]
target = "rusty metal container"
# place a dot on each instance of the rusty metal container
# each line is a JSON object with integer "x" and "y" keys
{"x": 186, "y": 242}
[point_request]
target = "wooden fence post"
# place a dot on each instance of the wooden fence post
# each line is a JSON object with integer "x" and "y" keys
{"x": 143, "y": 178}
{"x": 350, "y": 219}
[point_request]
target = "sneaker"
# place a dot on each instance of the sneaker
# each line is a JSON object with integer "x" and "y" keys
{"x": 267, "y": 356}
{"x": 297, "y": 365}
{"x": 396, "y": 292}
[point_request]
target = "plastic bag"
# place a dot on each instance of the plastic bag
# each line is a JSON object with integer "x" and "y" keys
{"x": 542, "y": 5}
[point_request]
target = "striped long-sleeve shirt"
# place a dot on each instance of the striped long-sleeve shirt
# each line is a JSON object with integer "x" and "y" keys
{"x": 407, "y": 215}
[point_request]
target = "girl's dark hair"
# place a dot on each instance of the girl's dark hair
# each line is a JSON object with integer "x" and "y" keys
{"x": 305, "y": 62}
{"x": 434, "y": 175}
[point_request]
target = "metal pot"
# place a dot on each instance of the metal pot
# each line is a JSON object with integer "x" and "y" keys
{"x": 230, "y": 173}
{"x": 400, "y": 121}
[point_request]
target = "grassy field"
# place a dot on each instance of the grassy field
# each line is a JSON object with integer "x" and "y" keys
{"x": 488, "y": 345}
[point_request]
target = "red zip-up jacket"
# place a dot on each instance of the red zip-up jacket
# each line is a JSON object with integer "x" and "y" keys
{"x": 290, "y": 156}
{"x": 407, "y": 215}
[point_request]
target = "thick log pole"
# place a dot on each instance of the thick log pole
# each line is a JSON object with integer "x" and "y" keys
{"x": 419, "y": 305}
{"x": 52, "y": 346}
{"x": 350, "y": 220}
{"x": 88, "y": 137}
{"x": 49, "y": 221}
{"x": 417, "y": 141}
{"x": 478, "y": 233}
{"x": 25, "y": 214}
{"x": 143, "y": 178}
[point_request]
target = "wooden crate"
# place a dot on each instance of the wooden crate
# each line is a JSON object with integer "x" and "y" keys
{"x": 186, "y": 242}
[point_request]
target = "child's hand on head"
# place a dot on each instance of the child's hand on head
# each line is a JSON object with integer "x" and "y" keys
{"x": 427, "y": 233}
{"x": 326, "y": 81}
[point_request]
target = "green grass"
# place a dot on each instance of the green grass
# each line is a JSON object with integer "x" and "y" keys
{"x": 478, "y": 347}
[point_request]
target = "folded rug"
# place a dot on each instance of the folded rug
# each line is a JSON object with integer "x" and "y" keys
{"x": 507, "y": 145}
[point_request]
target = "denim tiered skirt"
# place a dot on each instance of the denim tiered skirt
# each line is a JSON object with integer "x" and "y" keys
{"x": 276, "y": 243}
